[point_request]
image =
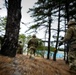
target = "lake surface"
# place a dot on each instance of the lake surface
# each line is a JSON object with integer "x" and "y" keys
{"x": 60, "y": 54}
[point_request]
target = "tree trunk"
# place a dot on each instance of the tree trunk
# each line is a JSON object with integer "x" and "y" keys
{"x": 67, "y": 15}
{"x": 10, "y": 41}
{"x": 49, "y": 35}
{"x": 55, "y": 52}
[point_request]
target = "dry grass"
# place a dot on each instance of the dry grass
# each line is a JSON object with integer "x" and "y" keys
{"x": 22, "y": 65}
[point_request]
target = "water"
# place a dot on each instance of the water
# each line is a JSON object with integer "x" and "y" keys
{"x": 59, "y": 54}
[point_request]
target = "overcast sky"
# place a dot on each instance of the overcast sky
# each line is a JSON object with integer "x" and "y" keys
{"x": 26, "y": 4}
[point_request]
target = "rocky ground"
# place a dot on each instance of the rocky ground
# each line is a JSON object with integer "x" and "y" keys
{"x": 22, "y": 65}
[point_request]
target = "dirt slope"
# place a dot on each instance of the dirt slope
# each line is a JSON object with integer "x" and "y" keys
{"x": 22, "y": 65}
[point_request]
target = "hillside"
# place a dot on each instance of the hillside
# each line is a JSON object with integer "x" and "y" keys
{"x": 22, "y": 65}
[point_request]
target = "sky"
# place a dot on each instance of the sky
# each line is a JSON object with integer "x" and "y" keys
{"x": 25, "y": 4}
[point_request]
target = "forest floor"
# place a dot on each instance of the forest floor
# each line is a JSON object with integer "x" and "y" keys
{"x": 23, "y": 65}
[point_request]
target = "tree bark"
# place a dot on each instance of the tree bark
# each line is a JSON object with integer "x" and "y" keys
{"x": 10, "y": 41}
{"x": 55, "y": 52}
{"x": 49, "y": 35}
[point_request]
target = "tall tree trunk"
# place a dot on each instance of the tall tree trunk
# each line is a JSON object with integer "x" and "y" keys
{"x": 67, "y": 9}
{"x": 55, "y": 52}
{"x": 10, "y": 41}
{"x": 49, "y": 35}
{"x": 65, "y": 47}
{"x": 67, "y": 15}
